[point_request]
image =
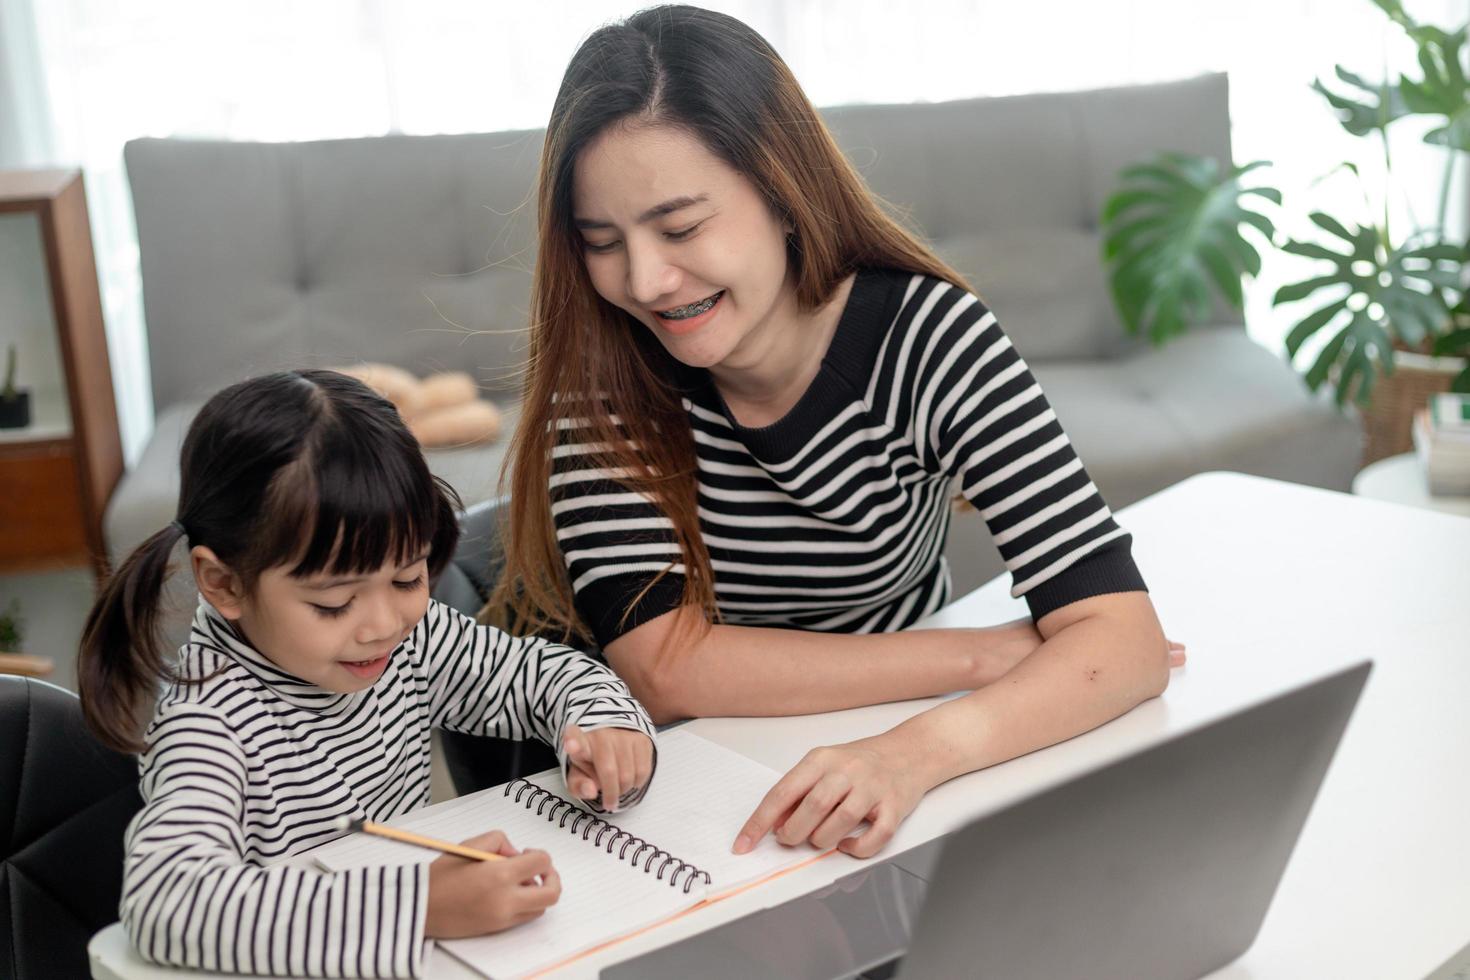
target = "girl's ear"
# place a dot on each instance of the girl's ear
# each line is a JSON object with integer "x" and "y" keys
{"x": 216, "y": 582}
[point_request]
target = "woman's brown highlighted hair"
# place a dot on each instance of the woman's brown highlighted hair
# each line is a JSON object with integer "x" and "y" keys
{"x": 714, "y": 77}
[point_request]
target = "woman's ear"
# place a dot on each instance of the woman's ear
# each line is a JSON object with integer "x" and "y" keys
{"x": 216, "y": 582}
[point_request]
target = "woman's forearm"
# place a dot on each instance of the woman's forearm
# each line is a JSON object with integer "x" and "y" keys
{"x": 1098, "y": 664}
{"x": 746, "y": 670}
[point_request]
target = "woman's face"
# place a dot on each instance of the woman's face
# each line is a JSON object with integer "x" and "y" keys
{"x": 683, "y": 243}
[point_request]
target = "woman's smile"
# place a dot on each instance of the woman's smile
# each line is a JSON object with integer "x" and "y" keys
{"x": 688, "y": 318}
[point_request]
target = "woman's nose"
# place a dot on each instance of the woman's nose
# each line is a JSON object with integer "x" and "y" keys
{"x": 650, "y": 276}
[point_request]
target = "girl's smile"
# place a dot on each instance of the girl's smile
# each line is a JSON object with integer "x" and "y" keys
{"x": 367, "y": 669}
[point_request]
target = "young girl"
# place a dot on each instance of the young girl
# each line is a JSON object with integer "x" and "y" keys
{"x": 750, "y": 396}
{"x": 316, "y": 667}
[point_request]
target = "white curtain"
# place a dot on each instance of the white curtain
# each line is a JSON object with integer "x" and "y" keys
{"x": 78, "y": 78}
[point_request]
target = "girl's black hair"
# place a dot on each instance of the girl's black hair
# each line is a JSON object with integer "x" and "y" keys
{"x": 308, "y": 470}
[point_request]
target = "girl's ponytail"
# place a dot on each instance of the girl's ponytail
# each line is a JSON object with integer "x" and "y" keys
{"x": 119, "y": 668}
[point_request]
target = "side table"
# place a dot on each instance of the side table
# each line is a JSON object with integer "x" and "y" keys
{"x": 1400, "y": 479}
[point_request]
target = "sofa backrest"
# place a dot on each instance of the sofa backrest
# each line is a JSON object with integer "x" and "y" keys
{"x": 414, "y": 250}
{"x": 417, "y": 250}
{"x": 1008, "y": 190}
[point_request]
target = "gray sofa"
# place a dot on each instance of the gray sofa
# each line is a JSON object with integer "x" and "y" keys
{"x": 418, "y": 250}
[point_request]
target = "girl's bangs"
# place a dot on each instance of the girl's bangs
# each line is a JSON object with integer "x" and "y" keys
{"x": 351, "y": 512}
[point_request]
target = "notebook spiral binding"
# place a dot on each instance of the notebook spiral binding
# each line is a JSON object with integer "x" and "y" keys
{"x": 604, "y": 834}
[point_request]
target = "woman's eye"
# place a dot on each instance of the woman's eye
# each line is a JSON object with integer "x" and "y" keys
{"x": 682, "y": 233}
{"x": 332, "y": 612}
{"x": 409, "y": 585}
{"x": 600, "y": 247}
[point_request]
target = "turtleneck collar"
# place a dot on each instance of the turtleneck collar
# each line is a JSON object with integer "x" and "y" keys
{"x": 213, "y": 631}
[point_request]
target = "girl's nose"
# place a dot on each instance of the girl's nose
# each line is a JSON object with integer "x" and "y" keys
{"x": 380, "y": 625}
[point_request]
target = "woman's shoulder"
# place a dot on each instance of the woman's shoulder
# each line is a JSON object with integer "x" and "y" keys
{"x": 919, "y": 298}
{"x": 890, "y": 312}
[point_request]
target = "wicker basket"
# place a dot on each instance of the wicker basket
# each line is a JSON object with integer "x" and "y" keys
{"x": 1388, "y": 418}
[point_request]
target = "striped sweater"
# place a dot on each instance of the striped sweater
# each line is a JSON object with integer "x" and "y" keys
{"x": 247, "y": 765}
{"x": 834, "y": 517}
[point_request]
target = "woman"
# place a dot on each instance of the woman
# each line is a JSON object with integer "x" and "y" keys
{"x": 750, "y": 393}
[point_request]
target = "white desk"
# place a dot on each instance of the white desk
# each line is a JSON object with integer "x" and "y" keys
{"x": 1268, "y": 584}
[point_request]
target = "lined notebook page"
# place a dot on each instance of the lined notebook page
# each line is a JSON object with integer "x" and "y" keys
{"x": 701, "y": 795}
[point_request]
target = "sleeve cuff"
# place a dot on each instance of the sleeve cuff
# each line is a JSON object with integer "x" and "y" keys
{"x": 1108, "y": 570}
{"x": 603, "y": 604}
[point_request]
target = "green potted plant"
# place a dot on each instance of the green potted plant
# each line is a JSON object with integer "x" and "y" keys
{"x": 1389, "y": 313}
{"x": 12, "y": 638}
{"x": 15, "y": 403}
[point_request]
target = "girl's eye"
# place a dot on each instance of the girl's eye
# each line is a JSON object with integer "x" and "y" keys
{"x": 332, "y": 612}
{"x": 410, "y": 585}
{"x": 599, "y": 249}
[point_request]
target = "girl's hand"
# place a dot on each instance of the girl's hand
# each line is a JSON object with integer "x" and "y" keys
{"x": 1176, "y": 654}
{"x": 616, "y": 762}
{"x": 831, "y": 791}
{"x": 472, "y": 898}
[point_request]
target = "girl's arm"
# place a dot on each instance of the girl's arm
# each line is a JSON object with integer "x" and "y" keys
{"x": 483, "y": 681}
{"x": 191, "y": 898}
{"x": 1101, "y": 657}
{"x": 680, "y": 667}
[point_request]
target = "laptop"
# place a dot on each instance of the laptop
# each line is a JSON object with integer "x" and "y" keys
{"x": 1161, "y": 865}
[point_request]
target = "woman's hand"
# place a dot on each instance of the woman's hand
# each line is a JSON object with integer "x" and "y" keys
{"x": 473, "y": 898}
{"x": 834, "y": 789}
{"x": 616, "y": 762}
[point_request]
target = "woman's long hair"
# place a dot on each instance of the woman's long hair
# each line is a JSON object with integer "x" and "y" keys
{"x": 307, "y": 470}
{"x": 714, "y": 77}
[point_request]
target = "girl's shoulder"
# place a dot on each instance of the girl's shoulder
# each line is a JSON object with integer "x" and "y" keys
{"x": 203, "y": 681}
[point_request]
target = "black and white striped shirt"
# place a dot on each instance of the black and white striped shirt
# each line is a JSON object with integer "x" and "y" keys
{"x": 834, "y": 517}
{"x": 250, "y": 765}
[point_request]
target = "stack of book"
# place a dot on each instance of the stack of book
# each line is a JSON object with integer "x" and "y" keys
{"x": 1442, "y": 439}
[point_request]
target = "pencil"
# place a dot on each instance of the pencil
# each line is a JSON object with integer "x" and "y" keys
{"x": 409, "y": 837}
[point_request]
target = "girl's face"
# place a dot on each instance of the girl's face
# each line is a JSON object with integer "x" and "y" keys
{"x": 683, "y": 243}
{"x": 336, "y": 632}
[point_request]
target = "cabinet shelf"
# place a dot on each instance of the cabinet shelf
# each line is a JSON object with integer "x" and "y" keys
{"x": 57, "y": 473}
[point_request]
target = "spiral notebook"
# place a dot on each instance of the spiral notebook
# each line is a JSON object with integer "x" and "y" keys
{"x": 620, "y": 874}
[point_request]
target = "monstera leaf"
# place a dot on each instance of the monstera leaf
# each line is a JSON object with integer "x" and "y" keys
{"x": 1378, "y": 105}
{"x": 1376, "y": 294}
{"x": 1444, "y": 91}
{"x": 1174, "y": 228}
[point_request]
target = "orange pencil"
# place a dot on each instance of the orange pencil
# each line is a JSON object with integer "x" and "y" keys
{"x": 409, "y": 837}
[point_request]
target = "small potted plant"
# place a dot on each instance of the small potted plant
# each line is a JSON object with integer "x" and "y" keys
{"x": 15, "y": 403}
{"x": 12, "y": 661}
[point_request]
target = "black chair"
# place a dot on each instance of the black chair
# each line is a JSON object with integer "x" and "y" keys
{"x": 476, "y": 761}
{"x": 65, "y": 802}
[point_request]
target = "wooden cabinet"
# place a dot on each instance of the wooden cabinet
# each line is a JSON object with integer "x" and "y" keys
{"x": 57, "y": 473}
